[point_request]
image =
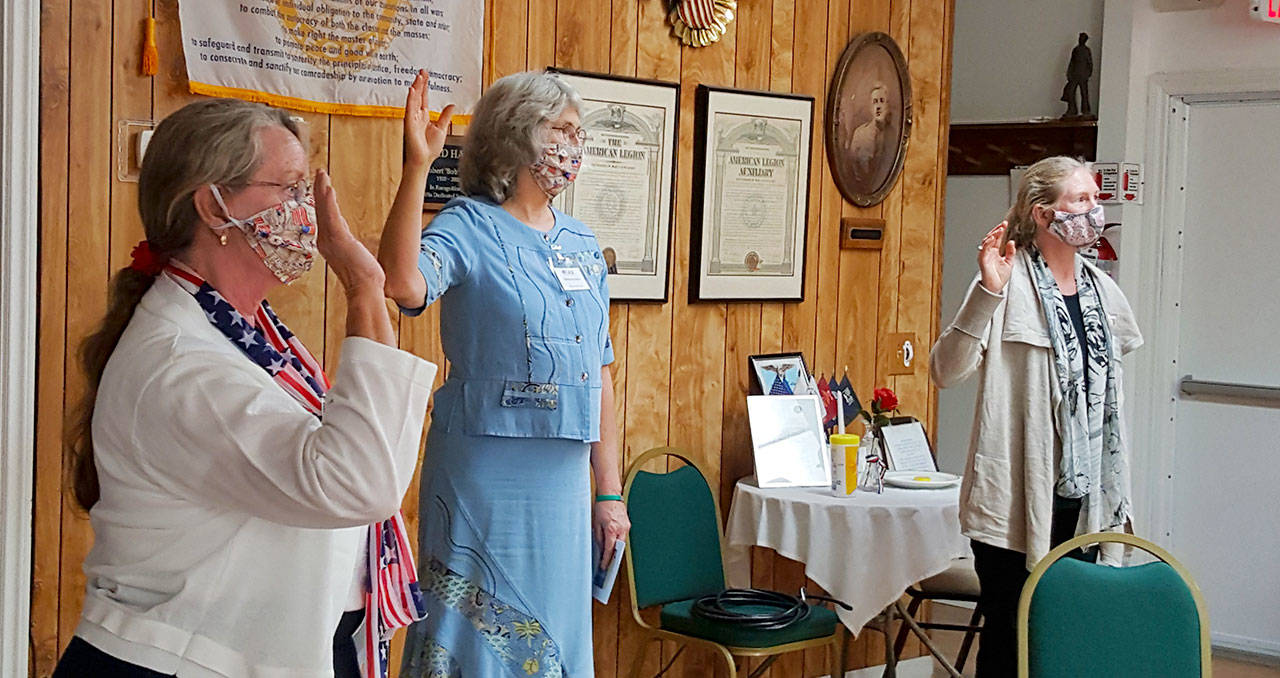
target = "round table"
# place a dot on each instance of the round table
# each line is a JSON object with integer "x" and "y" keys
{"x": 864, "y": 549}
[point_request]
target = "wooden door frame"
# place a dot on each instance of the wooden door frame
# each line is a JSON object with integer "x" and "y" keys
{"x": 1159, "y": 259}
{"x": 19, "y": 254}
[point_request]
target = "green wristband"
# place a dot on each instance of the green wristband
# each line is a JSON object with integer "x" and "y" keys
{"x": 608, "y": 497}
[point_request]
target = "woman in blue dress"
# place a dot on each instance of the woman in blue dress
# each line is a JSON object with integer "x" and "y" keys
{"x": 526, "y": 414}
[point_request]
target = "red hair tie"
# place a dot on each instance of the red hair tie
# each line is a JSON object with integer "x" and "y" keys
{"x": 145, "y": 260}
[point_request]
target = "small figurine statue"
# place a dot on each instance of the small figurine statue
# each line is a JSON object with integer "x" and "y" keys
{"x": 1079, "y": 70}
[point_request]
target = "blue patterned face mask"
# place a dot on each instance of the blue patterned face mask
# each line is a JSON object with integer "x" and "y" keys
{"x": 1078, "y": 229}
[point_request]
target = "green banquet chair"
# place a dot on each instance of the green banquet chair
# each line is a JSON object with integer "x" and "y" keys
{"x": 1077, "y": 618}
{"x": 674, "y": 556}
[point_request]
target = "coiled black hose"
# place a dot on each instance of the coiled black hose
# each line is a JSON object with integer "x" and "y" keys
{"x": 783, "y": 609}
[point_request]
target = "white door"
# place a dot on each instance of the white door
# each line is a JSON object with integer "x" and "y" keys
{"x": 1225, "y": 503}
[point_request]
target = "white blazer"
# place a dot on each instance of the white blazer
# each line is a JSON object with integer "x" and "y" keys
{"x": 230, "y": 517}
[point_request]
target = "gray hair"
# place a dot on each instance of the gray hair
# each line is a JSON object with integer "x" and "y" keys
{"x": 210, "y": 141}
{"x": 1041, "y": 185}
{"x": 505, "y": 132}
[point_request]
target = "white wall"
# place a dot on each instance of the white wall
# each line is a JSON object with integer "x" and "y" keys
{"x": 1205, "y": 50}
{"x": 974, "y": 205}
{"x": 1221, "y": 40}
{"x": 1220, "y": 44}
{"x": 1009, "y": 60}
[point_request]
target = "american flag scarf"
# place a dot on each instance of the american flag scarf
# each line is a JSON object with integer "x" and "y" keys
{"x": 392, "y": 597}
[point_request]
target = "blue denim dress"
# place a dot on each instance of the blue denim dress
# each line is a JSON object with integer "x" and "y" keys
{"x": 504, "y": 537}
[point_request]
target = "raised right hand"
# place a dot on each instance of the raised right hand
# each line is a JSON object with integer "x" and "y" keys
{"x": 423, "y": 139}
{"x": 996, "y": 265}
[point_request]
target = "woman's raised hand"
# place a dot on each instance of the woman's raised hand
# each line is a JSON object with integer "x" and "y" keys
{"x": 350, "y": 260}
{"x": 996, "y": 265}
{"x": 423, "y": 139}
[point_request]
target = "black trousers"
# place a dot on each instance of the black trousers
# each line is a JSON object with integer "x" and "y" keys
{"x": 1001, "y": 574}
{"x": 82, "y": 660}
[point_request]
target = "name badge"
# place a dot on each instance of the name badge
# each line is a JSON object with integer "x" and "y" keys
{"x": 537, "y": 395}
{"x": 571, "y": 278}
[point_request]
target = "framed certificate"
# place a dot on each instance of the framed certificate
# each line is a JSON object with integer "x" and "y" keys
{"x": 625, "y": 190}
{"x": 750, "y": 195}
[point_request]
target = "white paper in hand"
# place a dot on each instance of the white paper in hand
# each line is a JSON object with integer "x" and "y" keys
{"x": 602, "y": 578}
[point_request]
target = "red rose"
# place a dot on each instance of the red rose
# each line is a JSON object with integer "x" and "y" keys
{"x": 884, "y": 400}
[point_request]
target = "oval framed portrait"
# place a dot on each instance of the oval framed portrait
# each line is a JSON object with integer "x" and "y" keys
{"x": 868, "y": 118}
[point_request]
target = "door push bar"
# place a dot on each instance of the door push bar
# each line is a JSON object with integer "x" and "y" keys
{"x": 1198, "y": 387}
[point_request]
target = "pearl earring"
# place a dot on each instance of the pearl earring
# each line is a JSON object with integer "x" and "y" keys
{"x": 223, "y": 239}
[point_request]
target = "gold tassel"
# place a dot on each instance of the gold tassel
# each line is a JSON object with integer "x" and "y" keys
{"x": 150, "y": 55}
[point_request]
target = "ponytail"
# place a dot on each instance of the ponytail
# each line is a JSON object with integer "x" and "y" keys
{"x": 127, "y": 288}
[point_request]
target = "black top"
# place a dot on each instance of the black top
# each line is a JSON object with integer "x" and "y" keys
{"x": 1077, "y": 320}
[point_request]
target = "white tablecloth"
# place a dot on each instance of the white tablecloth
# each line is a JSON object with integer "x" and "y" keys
{"x": 864, "y": 549}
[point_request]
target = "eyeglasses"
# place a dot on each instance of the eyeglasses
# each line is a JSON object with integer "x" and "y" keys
{"x": 299, "y": 190}
{"x": 569, "y": 131}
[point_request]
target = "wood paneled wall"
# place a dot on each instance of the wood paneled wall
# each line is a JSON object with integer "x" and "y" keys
{"x": 681, "y": 372}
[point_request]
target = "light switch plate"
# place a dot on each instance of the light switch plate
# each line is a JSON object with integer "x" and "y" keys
{"x": 130, "y": 146}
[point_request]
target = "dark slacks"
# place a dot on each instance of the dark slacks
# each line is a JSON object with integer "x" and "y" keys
{"x": 1001, "y": 574}
{"x": 82, "y": 660}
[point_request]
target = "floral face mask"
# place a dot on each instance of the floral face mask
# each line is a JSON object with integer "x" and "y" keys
{"x": 1078, "y": 229}
{"x": 283, "y": 235}
{"x": 557, "y": 167}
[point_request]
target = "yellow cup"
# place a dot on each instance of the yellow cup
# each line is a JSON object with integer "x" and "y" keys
{"x": 844, "y": 463}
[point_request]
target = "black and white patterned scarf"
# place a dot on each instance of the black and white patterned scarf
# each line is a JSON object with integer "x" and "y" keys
{"x": 1086, "y": 414}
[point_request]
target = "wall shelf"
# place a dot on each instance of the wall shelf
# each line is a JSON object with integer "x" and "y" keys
{"x": 996, "y": 148}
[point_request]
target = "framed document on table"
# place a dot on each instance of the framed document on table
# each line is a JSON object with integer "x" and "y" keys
{"x": 625, "y": 190}
{"x": 750, "y": 195}
{"x": 787, "y": 441}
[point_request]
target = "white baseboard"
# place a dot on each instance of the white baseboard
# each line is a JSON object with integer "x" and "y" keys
{"x": 1257, "y": 646}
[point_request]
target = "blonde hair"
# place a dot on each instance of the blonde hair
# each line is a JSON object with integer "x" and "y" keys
{"x": 1041, "y": 185}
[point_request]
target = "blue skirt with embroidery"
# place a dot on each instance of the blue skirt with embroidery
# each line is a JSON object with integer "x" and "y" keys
{"x": 503, "y": 559}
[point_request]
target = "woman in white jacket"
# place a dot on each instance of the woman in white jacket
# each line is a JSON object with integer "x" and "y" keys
{"x": 239, "y": 501}
{"x": 1045, "y": 330}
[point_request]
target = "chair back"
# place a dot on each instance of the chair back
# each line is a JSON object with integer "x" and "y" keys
{"x": 1083, "y": 619}
{"x": 674, "y": 549}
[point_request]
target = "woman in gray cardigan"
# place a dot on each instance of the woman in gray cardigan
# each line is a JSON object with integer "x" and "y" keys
{"x": 1045, "y": 330}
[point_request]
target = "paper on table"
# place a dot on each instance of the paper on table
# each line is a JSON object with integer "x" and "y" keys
{"x": 907, "y": 447}
{"x": 602, "y": 578}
